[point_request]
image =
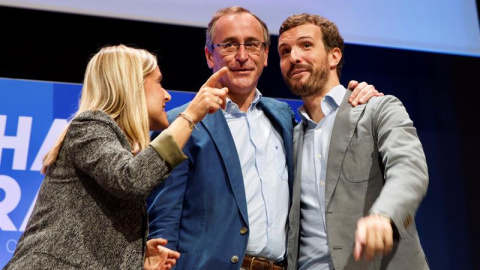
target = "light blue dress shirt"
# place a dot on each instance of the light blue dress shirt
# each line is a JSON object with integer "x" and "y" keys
{"x": 313, "y": 252}
{"x": 262, "y": 157}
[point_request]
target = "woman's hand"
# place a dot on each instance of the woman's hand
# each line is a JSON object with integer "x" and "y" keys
{"x": 158, "y": 257}
{"x": 209, "y": 98}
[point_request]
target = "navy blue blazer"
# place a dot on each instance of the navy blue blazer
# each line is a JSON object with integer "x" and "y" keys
{"x": 201, "y": 208}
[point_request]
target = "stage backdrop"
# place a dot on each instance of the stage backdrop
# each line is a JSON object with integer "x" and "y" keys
{"x": 32, "y": 115}
{"x": 439, "y": 91}
{"x": 445, "y": 26}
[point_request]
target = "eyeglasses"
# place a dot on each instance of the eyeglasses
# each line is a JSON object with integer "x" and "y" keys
{"x": 252, "y": 47}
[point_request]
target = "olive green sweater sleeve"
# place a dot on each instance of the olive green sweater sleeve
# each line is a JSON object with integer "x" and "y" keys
{"x": 168, "y": 149}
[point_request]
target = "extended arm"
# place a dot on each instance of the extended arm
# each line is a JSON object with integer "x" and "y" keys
{"x": 97, "y": 148}
{"x": 406, "y": 180}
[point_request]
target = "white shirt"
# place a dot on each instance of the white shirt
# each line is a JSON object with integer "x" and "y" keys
{"x": 265, "y": 176}
{"x": 313, "y": 252}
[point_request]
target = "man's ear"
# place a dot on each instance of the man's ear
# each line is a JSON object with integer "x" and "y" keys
{"x": 334, "y": 57}
{"x": 209, "y": 57}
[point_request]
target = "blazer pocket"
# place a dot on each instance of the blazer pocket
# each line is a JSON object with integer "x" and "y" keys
{"x": 278, "y": 154}
{"x": 361, "y": 161}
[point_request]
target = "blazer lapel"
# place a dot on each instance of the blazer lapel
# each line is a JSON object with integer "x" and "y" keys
{"x": 217, "y": 127}
{"x": 298, "y": 134}
{"x": 343, "y": 130}
{"x": 277, "y": 117}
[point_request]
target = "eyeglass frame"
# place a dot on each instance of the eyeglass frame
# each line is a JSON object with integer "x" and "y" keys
{"x": 219, "y": 45}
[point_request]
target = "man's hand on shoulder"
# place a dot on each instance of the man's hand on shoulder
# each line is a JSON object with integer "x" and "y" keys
{"x": 362, "y": 92}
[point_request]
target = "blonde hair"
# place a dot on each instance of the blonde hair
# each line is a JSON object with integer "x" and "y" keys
{"x": 113, "y": 84}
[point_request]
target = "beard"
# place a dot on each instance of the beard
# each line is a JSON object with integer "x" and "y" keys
{"x": 314, "y": 83}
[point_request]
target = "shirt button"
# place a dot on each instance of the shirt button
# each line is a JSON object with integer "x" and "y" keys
{"x": 318, "y": 130}
{"x": 234, "y": 259}
{"x": 243, "y": 230}
{"x": 322, "y": 183}
{"x": 319, "y": 156}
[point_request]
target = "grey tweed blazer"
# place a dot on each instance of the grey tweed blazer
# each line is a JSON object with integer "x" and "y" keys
{"x": 90, "y": 212}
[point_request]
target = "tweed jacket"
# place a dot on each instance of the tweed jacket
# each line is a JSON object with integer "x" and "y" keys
{"x": 90, "y": 212}
{"x": 375, "y": 163}
{"x": 201, "y": 208}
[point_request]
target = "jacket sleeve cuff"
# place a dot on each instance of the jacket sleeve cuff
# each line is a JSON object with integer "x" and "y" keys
{"x": 168, "y": 149}
{"x": 398, "y": 231}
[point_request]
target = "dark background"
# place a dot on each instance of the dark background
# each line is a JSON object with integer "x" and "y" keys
{"x": 439, "y": 91}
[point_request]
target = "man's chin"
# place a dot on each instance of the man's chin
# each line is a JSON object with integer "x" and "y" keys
{"x": 244, "y": 82}
{"x": 298, "y": 79}
{"x": 294, "y": 84}
{"x": 298, "y": 89}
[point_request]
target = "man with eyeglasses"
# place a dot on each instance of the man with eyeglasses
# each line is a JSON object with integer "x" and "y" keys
{"x": 226, "y": 206}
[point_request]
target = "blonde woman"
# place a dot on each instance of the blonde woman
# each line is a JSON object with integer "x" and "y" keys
{"x": 90, "y": 212}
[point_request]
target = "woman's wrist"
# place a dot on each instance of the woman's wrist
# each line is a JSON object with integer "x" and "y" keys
{"x": 190, "y": 121}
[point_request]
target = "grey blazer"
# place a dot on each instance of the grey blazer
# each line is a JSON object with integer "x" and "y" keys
{"x": 375, "y": 163}
{"x": 90, "y": 212}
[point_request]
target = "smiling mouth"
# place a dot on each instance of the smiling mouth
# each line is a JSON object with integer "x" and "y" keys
{"x": 241, "y": 70}
{"x": 296, "y": 72}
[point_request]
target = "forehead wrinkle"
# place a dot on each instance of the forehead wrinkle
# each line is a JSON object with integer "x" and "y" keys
{"x": 299, "y": 33}
{"x": 240, "y": 25}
